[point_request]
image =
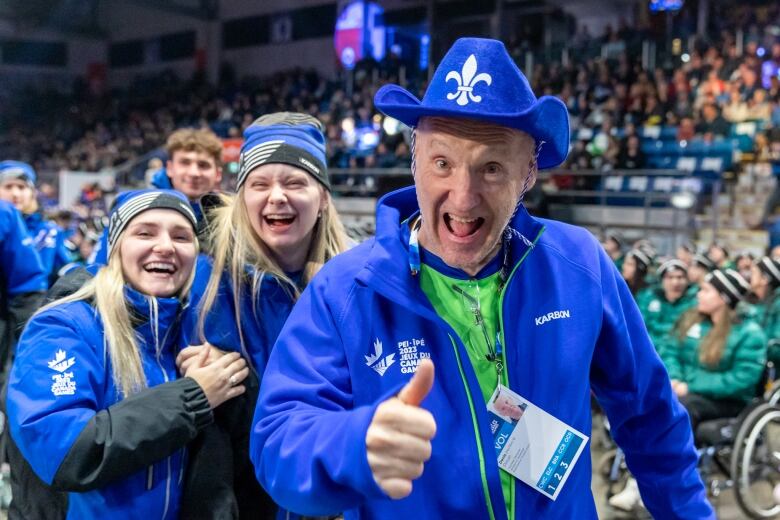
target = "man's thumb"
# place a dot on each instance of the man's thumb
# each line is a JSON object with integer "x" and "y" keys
{"x": 418, "y": 388}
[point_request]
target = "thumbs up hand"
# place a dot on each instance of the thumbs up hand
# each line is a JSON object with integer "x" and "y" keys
{"x": 398, "y": 440}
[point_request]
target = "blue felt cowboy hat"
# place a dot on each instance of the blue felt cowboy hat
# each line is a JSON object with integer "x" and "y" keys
{"x": 477, "y": 79}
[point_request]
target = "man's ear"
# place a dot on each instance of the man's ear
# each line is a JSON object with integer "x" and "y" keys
{"x": 533, "y": 170}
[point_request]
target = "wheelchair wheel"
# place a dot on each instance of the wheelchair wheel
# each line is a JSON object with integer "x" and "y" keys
{"x": 755, "y": 462}
{"x": 773, "y": 394}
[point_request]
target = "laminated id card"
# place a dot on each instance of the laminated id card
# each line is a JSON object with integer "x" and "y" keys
{"x": 531, "y": 444}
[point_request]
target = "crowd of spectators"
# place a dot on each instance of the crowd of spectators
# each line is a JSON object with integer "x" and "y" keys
{"x": 700, "y": 91}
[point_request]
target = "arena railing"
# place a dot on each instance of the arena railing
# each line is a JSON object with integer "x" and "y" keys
{"x": 659, "y": 203}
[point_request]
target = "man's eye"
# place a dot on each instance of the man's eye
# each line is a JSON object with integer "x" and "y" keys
{"x": 440, "y": 163}
{"x": 493, "y": 168}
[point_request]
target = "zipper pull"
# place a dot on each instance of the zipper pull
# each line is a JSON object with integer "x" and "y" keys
{"x": 499, "y": 360}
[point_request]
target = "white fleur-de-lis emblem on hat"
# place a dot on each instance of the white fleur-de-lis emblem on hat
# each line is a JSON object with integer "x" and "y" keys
{"x": 467, "y": 79}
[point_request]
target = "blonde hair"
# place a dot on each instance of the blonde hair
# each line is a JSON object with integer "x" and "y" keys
{"x": 119, "y": 337}
{"x": 32, "y": 206}
{"x": 713, "y": 344}
{"x": 235, "y": 245}
{"x": 195, "y": 140}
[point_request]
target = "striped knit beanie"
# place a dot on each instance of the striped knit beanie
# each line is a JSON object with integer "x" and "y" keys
{"x": 130, "y": 204}
{"x": 288, "y": 138}
{"x": 729, "y": 284}
{"x": 704, "y": 261}
{"x": 671, "y": 265}
{"x": 641, "y": 257}
{"x": 771, "y": 268}
{"x": 17, "y": 170}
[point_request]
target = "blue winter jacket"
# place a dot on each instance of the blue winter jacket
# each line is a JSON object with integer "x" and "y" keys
{"x": 117, "y": 457}
{"x": 49, "y": 240}
{"x": 319, "y": 395}
{"x": 261, "y": 320}
{"x": 19, "y": 261}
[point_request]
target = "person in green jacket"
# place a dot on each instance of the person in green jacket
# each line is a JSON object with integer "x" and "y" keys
{"x": 701, "y": 265}
{"x": 685, "y": 252}
{"x": 613, "y": 245}
{"x": 635, "y": 269}
{"x": 720, "y": 256}
{"x": 743, "y": 263}
{"x": 765, "y": 283}
{"x": 715, "y": 359}
{"x": 662, "y": 305}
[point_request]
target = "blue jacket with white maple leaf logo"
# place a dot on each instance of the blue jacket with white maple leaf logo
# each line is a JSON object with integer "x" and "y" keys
{"x": 319, "y": 393}
{"x": 118, "y": 457}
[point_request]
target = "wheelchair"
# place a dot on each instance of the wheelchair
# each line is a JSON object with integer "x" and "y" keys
{"x": 740, "y": 453}
{"x": 743, "y": 454}
{"x": 755, "y": 461}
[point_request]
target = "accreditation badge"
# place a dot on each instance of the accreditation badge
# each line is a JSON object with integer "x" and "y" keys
{"x": 532, "y": 445}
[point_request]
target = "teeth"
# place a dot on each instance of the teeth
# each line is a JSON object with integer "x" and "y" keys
{"x": 162, "y": 266}
{"x": 278, "y": 217}
{"x": 463, "y": 220}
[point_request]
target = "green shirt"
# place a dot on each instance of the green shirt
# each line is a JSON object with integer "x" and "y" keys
{"x": 456, "y": 310}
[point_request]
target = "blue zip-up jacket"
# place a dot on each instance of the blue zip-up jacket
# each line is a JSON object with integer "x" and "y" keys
{"x": 49, "y": 241}
{"x": 261, "y": 320}
{"x": 19, "y": 260}
{"x": 319, "y": 393}
{"x": 118, "y": 458}
{"x": 225, "y": 451}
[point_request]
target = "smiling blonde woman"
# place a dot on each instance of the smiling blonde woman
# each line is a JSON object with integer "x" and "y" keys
{"x": 95, "y": 402}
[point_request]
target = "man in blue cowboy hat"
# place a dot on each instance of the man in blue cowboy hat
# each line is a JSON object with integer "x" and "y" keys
{"x": 350, "y": 416}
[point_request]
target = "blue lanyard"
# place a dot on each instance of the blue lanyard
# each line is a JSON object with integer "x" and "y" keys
{"x": 414, "y": 252}
{"x": 495, "y": 353}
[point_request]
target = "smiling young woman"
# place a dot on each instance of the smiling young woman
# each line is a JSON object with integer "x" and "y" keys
{"x": 267, "y": 242}
{"x": 95, "y": 402}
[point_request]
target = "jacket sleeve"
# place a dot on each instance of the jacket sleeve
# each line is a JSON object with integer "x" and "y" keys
{"x": 742, "y": 376}
{"x": 647, "y": 421}
{"x": 71, "y": 440}
{"x": 21, "y": 264}
{"x": 308, "y": 440}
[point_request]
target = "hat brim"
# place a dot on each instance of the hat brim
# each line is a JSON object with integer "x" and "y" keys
{"x": 546, "y": 120}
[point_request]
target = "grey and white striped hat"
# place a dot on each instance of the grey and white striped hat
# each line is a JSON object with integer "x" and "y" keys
{"x": 730, "y": 284}
{"x": 130, "y": 204}
{"x": 771, "y": 268}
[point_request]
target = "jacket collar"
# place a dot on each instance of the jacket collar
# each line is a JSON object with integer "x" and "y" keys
{"x": 153, "y": 317}
{"x": 33, "y": 220}
{"x": 387, "y": 267}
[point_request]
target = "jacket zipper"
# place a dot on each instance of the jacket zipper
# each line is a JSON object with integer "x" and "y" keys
{"x": 156, "y": 332}
{"x": 504, "y": 350}
{"x": 475, "y": 425}
{"x": 505, "y": 377}
{"x": 167, "y": 489}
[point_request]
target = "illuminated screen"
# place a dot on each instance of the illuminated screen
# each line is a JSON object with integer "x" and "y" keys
{"x": 360, "y": 32}
{"x": 666, "y": 5}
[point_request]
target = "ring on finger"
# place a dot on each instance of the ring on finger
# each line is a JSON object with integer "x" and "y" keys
{"x": 233, "y": 381}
